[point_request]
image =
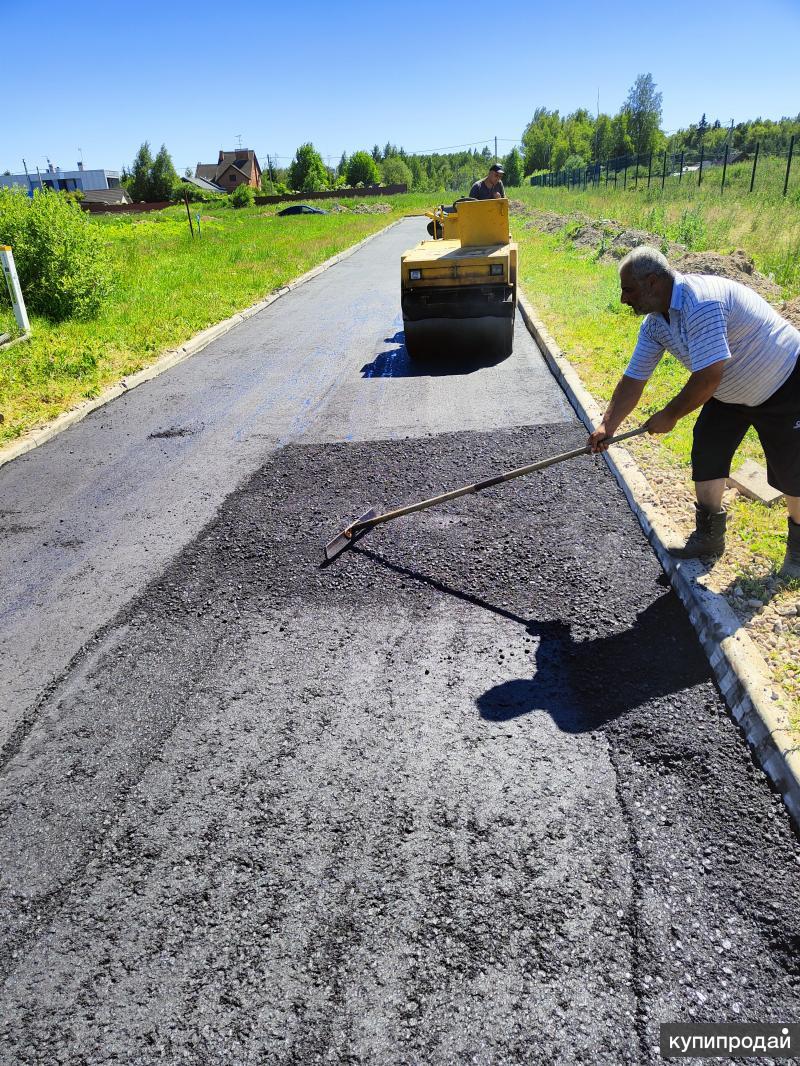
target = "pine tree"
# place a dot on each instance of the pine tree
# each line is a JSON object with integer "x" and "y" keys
{"x": 163, "y": 176}
{"x": 140, "y": 174}
{"x": 513, "y": 168}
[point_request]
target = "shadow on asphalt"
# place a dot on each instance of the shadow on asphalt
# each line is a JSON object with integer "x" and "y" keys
{"x": 397, "y": 363}
{"x": 585, "y": 684}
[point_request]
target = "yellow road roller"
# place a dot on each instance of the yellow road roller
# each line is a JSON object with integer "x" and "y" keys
{"x": 459, "y": 290}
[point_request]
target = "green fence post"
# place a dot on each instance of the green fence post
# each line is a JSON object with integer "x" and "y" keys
{"x": 664, "y": 171}
{"x": 700, "y": 171}
{"x": 724, "y": 170}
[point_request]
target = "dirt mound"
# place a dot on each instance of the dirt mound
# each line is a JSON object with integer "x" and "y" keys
{"x": 791, "y": 311}
{"x": 518, "y": 207}
{"x": 613, "y": 241}
{"x": 372, "y": 209}
{"x": 634, "y": 238}
{"x": 586, "y": 235}
{"x": 551, "y": 222}
{"x": 738, "y": 266}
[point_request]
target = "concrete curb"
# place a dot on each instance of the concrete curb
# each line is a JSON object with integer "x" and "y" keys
{"x": 35, "y": 437}
{"x": 740, "y": 670}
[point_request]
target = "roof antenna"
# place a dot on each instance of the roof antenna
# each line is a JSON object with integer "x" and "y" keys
{"x": 239, "y": 139}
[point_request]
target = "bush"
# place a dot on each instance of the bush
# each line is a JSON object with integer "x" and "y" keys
{"x": 59, "y": 253}
{"x": 273, "y": 188}
{"x": 242, "y": 196}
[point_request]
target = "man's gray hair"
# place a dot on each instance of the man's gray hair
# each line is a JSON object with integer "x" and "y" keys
{"x": 646, "y": 260}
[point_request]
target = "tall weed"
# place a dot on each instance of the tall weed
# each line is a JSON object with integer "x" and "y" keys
{"x": 691, "y": 229}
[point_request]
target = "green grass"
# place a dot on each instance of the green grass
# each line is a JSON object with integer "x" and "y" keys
{"x": 765, "y": 224}
{"x": 168, "y": 287}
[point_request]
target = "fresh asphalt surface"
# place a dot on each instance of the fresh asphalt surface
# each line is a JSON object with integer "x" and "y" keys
{"x": 469, "y": 794}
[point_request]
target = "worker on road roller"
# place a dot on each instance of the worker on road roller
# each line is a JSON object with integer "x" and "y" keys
{"x": 491, "y": 188}
{"x": 459, "y": 290}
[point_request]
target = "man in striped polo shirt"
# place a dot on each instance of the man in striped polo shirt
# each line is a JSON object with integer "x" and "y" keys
{"x": 744, "y": 371}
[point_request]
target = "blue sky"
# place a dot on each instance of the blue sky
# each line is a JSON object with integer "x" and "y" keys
{"x": 346, "y": 75}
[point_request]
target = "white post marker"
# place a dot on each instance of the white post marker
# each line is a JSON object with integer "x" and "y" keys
{"x": 10, "y": 271}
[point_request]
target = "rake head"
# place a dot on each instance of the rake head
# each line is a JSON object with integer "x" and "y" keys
{"x": 348, "y": 536}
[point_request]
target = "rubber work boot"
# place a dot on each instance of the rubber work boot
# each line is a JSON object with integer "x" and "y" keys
{"x": 791, "y": 563}
{"x": 708, "y": 537}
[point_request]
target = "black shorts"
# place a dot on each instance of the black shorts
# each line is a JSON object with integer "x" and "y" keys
{"x": 720, "y": 428}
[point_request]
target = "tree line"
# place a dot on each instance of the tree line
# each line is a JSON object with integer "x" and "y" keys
{"x": 154, "y": 178}
{"x": 390, "y": 165}
{"x": 552, "y": 141}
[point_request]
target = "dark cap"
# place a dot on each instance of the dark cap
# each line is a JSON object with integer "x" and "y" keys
{"x": 497, "y": 167}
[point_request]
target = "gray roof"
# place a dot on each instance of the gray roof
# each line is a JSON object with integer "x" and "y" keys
{"x": 202, "y": 183}
{"x": 107, "y": 196}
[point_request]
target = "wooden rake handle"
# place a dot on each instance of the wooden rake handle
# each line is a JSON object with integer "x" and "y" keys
{"x": 478, "y": 486}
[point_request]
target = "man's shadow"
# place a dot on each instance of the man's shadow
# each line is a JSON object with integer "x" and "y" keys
{"x": 584, "y": 684}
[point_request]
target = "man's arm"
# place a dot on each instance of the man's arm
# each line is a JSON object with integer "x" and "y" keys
{"x": 625, "y": 397}
{"x": 701, "y": 386}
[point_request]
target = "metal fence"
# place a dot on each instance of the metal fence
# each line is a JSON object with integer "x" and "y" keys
{"x": 773, "y": 174}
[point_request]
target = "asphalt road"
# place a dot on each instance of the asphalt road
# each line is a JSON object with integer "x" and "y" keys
{"x": 467, "y": 795}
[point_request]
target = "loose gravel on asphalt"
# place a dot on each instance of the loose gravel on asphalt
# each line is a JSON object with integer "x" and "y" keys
{"x": 469, "y": 794}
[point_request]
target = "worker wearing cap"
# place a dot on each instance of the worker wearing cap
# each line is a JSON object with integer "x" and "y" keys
{"x": 744, "y": 362}
{"x": 491, "y": 188}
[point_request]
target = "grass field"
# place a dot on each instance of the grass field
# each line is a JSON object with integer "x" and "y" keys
{"x": 168, "y": 287}
{"x": 765, "y": 224}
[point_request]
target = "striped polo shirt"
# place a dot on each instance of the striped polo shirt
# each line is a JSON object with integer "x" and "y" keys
{"x": 713, "y": 319}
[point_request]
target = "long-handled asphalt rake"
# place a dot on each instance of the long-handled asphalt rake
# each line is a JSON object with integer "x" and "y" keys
{"x": 348, "y": 537}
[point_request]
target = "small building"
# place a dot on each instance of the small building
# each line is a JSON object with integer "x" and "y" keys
{"x": 63, "y": 180}
{"x": 232, "y": 169}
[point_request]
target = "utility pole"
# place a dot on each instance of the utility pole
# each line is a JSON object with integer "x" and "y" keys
{"x": 27, "y": 175}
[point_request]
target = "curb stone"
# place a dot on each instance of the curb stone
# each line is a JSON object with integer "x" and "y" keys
{"x": 35, "y": 437}
{"x": 740, "y": 670}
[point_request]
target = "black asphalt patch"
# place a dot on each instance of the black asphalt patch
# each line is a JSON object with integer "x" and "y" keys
{"x": 173, "y": 431}
{"x": 469, "y": 794}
